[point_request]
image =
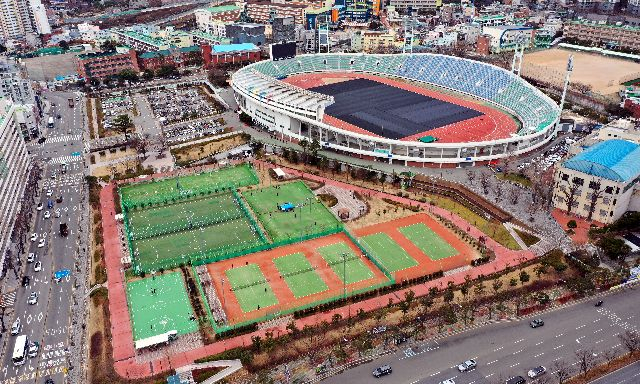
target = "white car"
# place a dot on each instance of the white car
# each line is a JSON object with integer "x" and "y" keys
{"x": 448, "y": 381}
{"x": 34, "y": 236}
{"x": 467, "y": 366}
{"x": 49, "y": 192}
{"x": 47, "y": 214}
{"x": 536, "y": 372}
{"x": 41, "y": 243}
{"x": 34, "y": 347}
{"x": 33, "y": 298}
{"x": 31, "y": 257}
{"x": 16, "y": 327}
{"x": 40, "y": 207}
{"x": 58, "y": 213}
{"x": 37, "y": 267}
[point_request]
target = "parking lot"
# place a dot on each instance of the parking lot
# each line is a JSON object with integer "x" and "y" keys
{"x": 193, "y": 130}
{"x": 115, "y": 104}
{"x": 548, "y": 158}
{"x": 172, "y": 105}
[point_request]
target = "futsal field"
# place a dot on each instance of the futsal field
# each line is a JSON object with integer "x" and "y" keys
{"x": 294, "y": 276}
{"x": 159, "y": 304}
{"x": 309, "y": 217}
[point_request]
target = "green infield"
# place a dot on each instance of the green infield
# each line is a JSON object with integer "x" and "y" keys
{"x": 306, "y": 217}
{"x": 166, "y": 189}
{"x": 299, "y": 275}
{"x": 354, "y": 269}
{"x": 214, "y": 241}
{"x": 428, "y": 241}
{"x": 160, "y": 304}
{"x": 391, "y": 255}
{"x": 171, "y": 218}
{"x": 251, "y": 288}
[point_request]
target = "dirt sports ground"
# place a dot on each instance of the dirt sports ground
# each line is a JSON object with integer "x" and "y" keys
{"x": 604, "y": 74}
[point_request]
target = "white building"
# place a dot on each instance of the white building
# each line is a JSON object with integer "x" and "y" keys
{"x": 14, "y": 165}
{"x": 39, "y": 17}
{"x": 13, "y": 84}
{"x": 507, "y": 37}
{"x": 415, "y": 4}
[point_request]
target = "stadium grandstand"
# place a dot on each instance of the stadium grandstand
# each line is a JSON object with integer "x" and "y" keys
{"x": 485, "y": 112}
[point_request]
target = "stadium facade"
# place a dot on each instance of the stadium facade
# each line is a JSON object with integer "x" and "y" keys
{"x": 294, "y": 113}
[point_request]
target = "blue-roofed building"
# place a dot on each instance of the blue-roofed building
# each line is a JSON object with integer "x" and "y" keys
{"x": 600, "y": 183}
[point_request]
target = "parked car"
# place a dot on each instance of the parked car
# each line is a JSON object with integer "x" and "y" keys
{"x": 33, "y": 298}
{"x": 47, "y": 214}
{"x": 49, "y": 192}
{"x": 34, "y": 347}
{"x": 34, "y": 236}
{"x": 37, "y": 267}
{"x": 448, "y": 381}
{"x": 537, "y": 371}
{"x": 516, "y": 380}
{"x": 41, "y": 243}
{"x": 382, "y": 371}
{"x": 16, "y": 327}
{"x": 31, "y": 257}
{"x": 25, "y": 281}
{"x": 536, "y": 323}
{"x": 467, "y": 366}
{"x": 39, "y": 207}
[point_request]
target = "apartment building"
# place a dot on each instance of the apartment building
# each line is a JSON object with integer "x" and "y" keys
{"x": 262, "y": 11}
{"x": 140, "y": 41}
{"x": 374, "y": 41}
{"x": 610, "y": 35}
{"x": 100, "y": 65}
{"x": 416, "y": 5}
{"x": 14, "y": 166}
{"x": 600, "y": 182}
{"x": 208, "y": 19}
{"x": 15, "y": 19}
{"x": 507, "y": 37}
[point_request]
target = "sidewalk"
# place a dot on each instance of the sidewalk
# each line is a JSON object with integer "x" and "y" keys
{"x": 122, "y": 341}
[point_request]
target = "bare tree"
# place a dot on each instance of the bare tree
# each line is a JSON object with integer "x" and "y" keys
{"x": 561, "y": 370}
{"x": 471, "y": 175}
{"x": 569, "y": 194}
{"x": 586, "y": 360}
{"x": 610, "y": 354}
{"x": 596, "y": 194}
{"x": 497, "y": 191}
{"x": 630, "y": 340}
{"x": 485, "y": 182}
{"x": 514, "y": 194}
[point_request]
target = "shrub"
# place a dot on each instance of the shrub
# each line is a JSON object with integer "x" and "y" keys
{"x": 572, "y": 224}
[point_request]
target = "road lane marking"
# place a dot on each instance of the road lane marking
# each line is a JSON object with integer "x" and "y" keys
{"x": 515, "y": 353}
{"x": 578, "y": 339}
{"x": 434, "y": 374}
{"x": 539, "y": 343}
{"x": 497, "y": 349}
{"x": 558, "y": 347}
{"x": 557, "y": 358}
{"x": 582, "y": 326}
{"x": 491, "y": 362}
{"x": 489, "y": 375}
{"x": 599, "y": 341}
{"x": 539, "y": 354}
{"x": 518, "y": 341}
{"x": 561, "y": 334}
{"x": 514, "y": 365}
{"x": 598, "y": 330}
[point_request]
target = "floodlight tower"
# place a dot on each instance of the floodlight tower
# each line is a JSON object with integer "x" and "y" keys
{"x": 565, "y": 87}
{"x": 322, "y": 22}
{"x": 518, "y": 54}
{"x": 408, "y": 22}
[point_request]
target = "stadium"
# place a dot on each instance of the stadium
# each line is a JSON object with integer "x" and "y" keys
{"x": 408, "y": 109}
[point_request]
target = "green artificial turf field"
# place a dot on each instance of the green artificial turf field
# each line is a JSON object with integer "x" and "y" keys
{"x": 428, "y": 241}
{"x": 251, "y": 288}
{"x": 299, "y": 275}
{"x": 389, "y": 253}
{"x": 354, "y": 268}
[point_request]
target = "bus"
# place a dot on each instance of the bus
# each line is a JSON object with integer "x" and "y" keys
{"x": 20, "y": 350}
{"x": 50, "y": 124}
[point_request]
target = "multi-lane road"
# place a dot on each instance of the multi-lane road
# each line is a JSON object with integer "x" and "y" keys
{"x": 508, "y": 349}
{"x": 49, "y": 322}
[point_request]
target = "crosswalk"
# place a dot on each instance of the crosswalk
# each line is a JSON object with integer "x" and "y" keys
{"x": 63, "y": 138}
{"x": 8, "y": 299}
{"x": 65, "y": 159}
{"x": 63, "y": 180}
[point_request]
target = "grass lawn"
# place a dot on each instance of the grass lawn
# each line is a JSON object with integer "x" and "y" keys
{"x": 165, "y": 310}
{"x": 176, "y": 248}
{"x": 493, "y": 229}
{"x": 251, "y": 288}
{"x": 515, "y": 177}
{"x": 354, "y": 269}
{"x": 428, "y": 241}
{"x": 180, "y": 216}
{"x": 309, "y": 216}
{"x": 238, "y": 176}
{"x": 300, "y": 283}
{"x": 391, "y": 255}
{"x": 528, "y": 238}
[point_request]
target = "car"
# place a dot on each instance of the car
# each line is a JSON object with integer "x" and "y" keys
{"x": 516, "y": 380}
{"x": 57, "y": 213}
{"x": 467, "y": 366}
{"x": 536, "y": 372}
{"x": 37, "y": 267}
{"x": 448, "y": 381}
{"x": 49, "y": 192}
{"x": 58, "y": 116}
{"x": 33, "y": 298}
{"x": 536, "y": 323}
{"x": 16, "y": 327}
{"x": 49, "y": 381}
{"x": 34, "y": 347}
{"x": 379, "y": 330}
{"x": 47, "y": 214}
{"x": 599, "y": 303}
{"x": 31, "y": 257}
{"x": 42, "y": 140}
{"x": 25, "y": 280}
{"x": 53, "y": 176}
{"x": 34, "y": 236}
{"x": 41, "y": 243}
{"x": 50, "y": 204}
{"x": 382, "y": 371}
{"x": 39, "y": 207}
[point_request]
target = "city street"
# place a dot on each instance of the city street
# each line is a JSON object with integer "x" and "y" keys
{"x": 49, "y": 321}
{"x": 508, "y": 349}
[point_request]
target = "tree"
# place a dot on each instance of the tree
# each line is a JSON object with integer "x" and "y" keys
{"x": 614, "y": 248}
{"x": 540, "y": 270}
{"x": 167, "y": 71}
{"x": 141, "y": 145}
{"x": 109, "y": 45}
{"x": 485, "y": 182}
{"x": 123, "y": 124}
{"x": 314, "y": 147}
{"x": 496, "y": 285}
{"x": 147, "y": 75}
{"x": 597, "y": 191}
{"x": 561, "y": 370}
{"x": 571, "y": 224}
{"x": 586, "y": 360}
{"x": 569, "y": 193}
{"x": 630, "y": 340}
{"x": 128, "y": 75}
{"x": 304, "y": 143}
{"x": 479, "y": 289}
{"x": 64, "y": 45}
{"x": 524, "y": 277}
{"x": 471, "y": 176}
{"x": 448, "y": 295}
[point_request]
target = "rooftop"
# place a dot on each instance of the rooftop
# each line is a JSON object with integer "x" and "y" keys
{"x": 602, "y": 25}
{"x": 223, "y": 48}
{"x": 223, "y": 8}
{"x": 617, "y": 160}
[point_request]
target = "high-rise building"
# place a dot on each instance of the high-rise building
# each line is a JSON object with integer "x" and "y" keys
{"x": 283, "y": 29}
{"x": 14, "y": 164}
{"x": 39, "y": 17}
{"x": 21, "y": 17}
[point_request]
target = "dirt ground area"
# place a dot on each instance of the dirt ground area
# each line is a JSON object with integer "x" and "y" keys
{"x": 200, "y": 151}
{"x": 604, "y": 74}
{"x": 109, "y": 170}
{"x": 379, "y": 211}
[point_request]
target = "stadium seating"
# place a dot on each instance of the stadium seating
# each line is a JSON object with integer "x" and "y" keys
{"x": 484, "y": 81}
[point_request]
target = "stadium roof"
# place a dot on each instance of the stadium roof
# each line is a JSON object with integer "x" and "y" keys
{"x": 617, "y": 160}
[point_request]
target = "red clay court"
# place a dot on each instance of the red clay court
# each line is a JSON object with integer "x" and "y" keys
{"x": 491, "y": 124}
{"x": 286, "y": 300}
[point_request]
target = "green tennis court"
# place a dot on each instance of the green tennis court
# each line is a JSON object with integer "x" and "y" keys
{"x": 251, "y": 288}
{"x": 309, "y": 217}
{"x": 389, "y": 253}
{"x": 206, "y": 242}
{"x": 354, "y": 269}
{"x": 159, "y": 304}
{"x": 165, "y": 219}
{"x": 166, "y": 189}
{"x": 299, "y": 275}
{"x": 428, "y": 241}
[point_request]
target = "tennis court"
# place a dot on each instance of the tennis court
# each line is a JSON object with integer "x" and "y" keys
{"x": 391, "y": 255}
{"x": 434, "y": 246}
{"x": 353, "y": 271}
{"x": 160, "y": 304}
{"x": 308, "y": 217}
{"x": 171, "y": 218}
{"x": 251, "y": 287}
{"x": 166, "y": 189}
{"x": 299, "y": 275}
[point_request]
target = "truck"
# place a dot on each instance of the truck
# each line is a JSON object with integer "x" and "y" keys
{"x": 152, "y": 341}
{"x": 70, "y": 100}
{"x": 64, "y": 229}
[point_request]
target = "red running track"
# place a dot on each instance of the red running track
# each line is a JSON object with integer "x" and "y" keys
{"x": 492, "y": 125}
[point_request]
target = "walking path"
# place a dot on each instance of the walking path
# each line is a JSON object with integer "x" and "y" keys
{"x": 122, "y": 340}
